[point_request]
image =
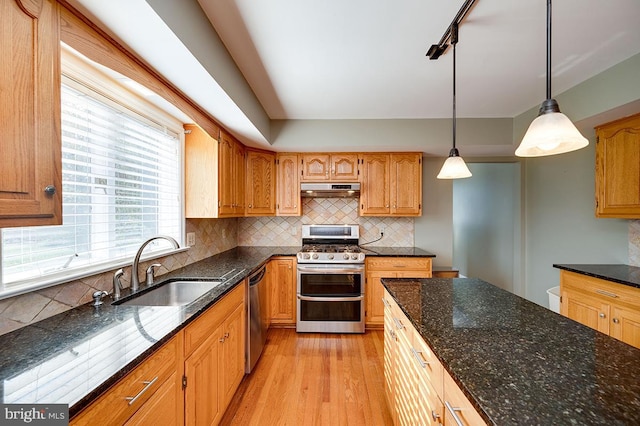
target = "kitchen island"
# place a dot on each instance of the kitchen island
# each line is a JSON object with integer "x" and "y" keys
{"x": 517, "y": 362}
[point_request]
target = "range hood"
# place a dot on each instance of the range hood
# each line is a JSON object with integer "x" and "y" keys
{"x": 330, "y": 190}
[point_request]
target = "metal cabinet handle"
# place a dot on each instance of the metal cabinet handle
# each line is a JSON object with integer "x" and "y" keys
{"x": 221, "y": 340}
{"x": 435, "y": 416}
{"x": 607, "y": 293}
{"x": 148, "y": 384}
{"x": 453, "y": 410}
{"x": 50, "y": 190}
{"x": 399, "y": 325}
{"x": 386, "y": 303}
{"x": 616, "y": 321}
{"x": 416, "y": 355}
{"x": 226, "y": 335}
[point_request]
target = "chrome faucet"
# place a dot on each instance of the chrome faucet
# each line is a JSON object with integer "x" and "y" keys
{"x": 135, "y": 282}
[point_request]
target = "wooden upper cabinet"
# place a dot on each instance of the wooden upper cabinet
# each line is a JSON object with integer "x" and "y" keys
{"x": 344, "y": 167}
{"x": 288, "y": 201}
{"x": 391, "y": 184}
{"x": 618, "y": 168}
{"x": 406, "y": 184}
{"x": 214, "y": 175}
{"x": 335, "y": 167}
{"x": 231, "y": 176}
{"x": 261, "y": 183}
{"x": 374, "y": 194}
{"x": 31, "y": 180}
{"x": 201, "y": 173}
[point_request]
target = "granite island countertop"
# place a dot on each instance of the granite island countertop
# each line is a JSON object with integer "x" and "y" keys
{"x": 75, "y": 356}
{"x": 395, "y": 251}
{"x": 618, "y": 273}
{"x": 520, "y": 363}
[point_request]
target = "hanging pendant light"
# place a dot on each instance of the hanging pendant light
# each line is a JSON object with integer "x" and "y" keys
{"x": 551, "y": 132}
{"x": 454, "y": 167}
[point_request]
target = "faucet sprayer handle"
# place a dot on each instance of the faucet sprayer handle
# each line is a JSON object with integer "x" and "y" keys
{"x": 117, "y": 285}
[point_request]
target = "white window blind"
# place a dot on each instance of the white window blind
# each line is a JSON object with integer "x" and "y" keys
{"x": 121, "y": 184}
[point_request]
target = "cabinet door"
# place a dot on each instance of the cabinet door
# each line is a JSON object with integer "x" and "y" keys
{"x": 226, "y": 185}
{"x": 344, "y": 167}
{"x": 239, "y": 167}
{"x": 261, "y": 183}
{"x": 618, "y": 169}
{"x": 374, "y": 195}
{"x": 625, "y": 325}
{"x": 233, "y": 364}
{"x": 163, "y": 408}
{"x": 283, "y": 291}
{"x": 374, "y": 293}
{"x": 288, "y": 186}
{"x": 30, "y": 114}
{"x": 203, "y": 397}
{"x": 458, "y": 408}
{"x": 315, "y": 167}
{"x": 590, "y": 311}
{"x": 390, "y": 357}
{"x": 201, "y": 173}
{"x": 406, "y": 184}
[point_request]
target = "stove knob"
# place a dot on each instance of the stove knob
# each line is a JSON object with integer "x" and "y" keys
{"x": 315, "y": 255}
{"x": 306, "y": 256}
{"x": 330, "y": 257}
{"x": 354, "y": 256}
{"x": 346, "y": 256}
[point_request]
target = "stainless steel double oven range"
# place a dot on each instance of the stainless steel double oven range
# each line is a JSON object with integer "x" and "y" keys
{"x": 330, "y": 288}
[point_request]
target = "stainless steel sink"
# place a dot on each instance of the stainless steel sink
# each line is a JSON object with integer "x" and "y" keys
{"x": 173, "y": 293}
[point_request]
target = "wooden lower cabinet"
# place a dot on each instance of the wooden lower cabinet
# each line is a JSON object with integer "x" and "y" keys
{"x": 165, "y": 407}
{"x": 388, "y": 267}
{"x": 611, "y": 308}
{"x": 151, "y": 381}
{"x": 189, "y": 380}
{"x": 214, "y": 368}
{"x": 282, "y": 278}
{"x": 418, "y": 389}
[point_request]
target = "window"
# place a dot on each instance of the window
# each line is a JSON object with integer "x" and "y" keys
{"x": 121, "y": 184}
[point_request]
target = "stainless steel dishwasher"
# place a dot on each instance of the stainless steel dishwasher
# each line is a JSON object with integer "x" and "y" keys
{"x": 256, "y": 317}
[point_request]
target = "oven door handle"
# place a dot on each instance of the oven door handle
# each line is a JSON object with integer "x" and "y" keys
{"x": 332, "y": 270}
{"x": 330, "y": 299}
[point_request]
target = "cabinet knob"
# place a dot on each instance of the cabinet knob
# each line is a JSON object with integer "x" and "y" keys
{"x": 50, "y": 190}
{"x": 387, "y": 206}
{"x": 616, "y": 321}
{"x": 250, "y": 206}
{"x": 601, "y": 315}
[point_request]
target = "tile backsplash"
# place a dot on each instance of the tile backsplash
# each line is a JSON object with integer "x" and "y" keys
{"x": 285, "y": 231}
{"x": 212, "y": 236}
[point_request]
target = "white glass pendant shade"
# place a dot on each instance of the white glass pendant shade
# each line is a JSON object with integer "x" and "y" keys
{"x": 551, "y": 133}
{"x": 454, "y": 167}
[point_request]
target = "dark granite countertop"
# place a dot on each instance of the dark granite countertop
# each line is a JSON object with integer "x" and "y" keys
{"x": 72, "y": 357}
{"x": 520, "y": 363}
{"x": 395, "y": 251}
{"x": 619, "y": 273}
{"x": 75, "y": 356}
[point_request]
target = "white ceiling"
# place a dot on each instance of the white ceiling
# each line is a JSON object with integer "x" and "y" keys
{"x": 355, "y": 59}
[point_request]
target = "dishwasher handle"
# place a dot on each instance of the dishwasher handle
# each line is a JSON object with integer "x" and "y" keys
{"x": 257, "y": 276}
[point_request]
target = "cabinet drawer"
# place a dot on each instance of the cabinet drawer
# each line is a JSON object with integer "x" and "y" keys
{"x": 198, "y": 331}
{"x": 457, "y": 404}
{"x": 607, "y": 290}
{"x": 392, "y": 263}
{"x": 116, "y": 405}
{"x": 429, "y": 365}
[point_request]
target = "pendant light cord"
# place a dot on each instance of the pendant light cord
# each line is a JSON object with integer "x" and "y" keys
{"x": 548, "y": 49}
{"x": 454, "y": 41}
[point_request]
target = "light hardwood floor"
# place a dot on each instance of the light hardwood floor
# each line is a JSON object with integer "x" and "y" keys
{"x": 314, "y": 379}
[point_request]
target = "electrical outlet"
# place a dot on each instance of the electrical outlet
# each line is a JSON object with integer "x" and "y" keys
{"x": 191, "y": 239}
{"x": 381, "y": 229}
